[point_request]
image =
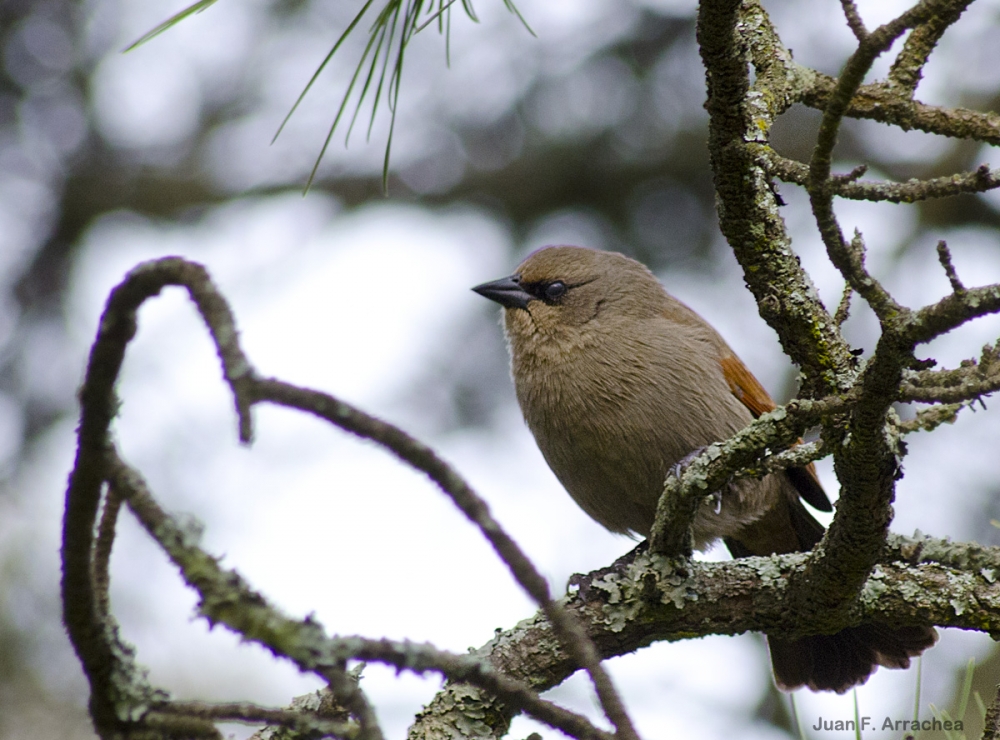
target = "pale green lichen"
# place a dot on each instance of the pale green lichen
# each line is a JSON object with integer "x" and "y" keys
{"x": 875, "y": 588}
{"x": 628, "y": 593}
{"x": 609, "y": 585}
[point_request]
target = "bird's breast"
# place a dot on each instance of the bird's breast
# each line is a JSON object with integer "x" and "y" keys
{"x": 613, "y": 411}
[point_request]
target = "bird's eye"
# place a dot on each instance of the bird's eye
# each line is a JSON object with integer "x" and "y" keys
{"x": 555, "y": 291}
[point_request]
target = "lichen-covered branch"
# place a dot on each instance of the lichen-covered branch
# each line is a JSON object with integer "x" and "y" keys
{"x": 991, "y": 722}
{"x": 979, "y": 180}
{"x": 858, "y": 573}
{"x": 300, "y": 720}
{"x": 119, "y": 695}
{"x": 117, "y": 684}
{"x": 951, "y": 312}
{"x": 645, "y": 598}
{"x": 881, "y": 102}
{"x": 969, "y": 382}
{"x": 908, "y": 67}
{"x": 748, "y": 213}
{"x": 928, "y": 420}
{"x": 226, "y": 598}
{"x": 746, "y": 453}
{"x": 423, "y": 458}
{"x": 867, "y": 447}
{"x": 847, "y": 259}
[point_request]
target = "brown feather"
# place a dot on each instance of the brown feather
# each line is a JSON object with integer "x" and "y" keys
{"x": 752, "y": 395}
{"x": 745, "y": 386}
{"x": 618, "y": 382}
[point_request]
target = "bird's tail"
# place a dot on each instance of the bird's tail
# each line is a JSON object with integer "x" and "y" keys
{"x": 846, "y": 659}
{"x": 825, "y": 662}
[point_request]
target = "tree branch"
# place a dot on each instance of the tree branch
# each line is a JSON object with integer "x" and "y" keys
{"x": 979, "y": 180}
{"x": 908, "y": 67}
{"x": 748, "y": 213}
{"x": 94, "y": 637}
{"x": 969, "y": 382}
{"x": 422, "y": 458}
{"x": 226, "y": 598}
{"x": 745, "y": 454}
{"x": 644, "y": 598}
{"x": 881, "y": 102}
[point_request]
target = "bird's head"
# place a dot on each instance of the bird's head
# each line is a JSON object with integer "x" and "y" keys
{"x": 559, "y": 289}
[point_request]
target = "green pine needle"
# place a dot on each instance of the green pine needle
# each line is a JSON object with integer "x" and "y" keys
{"x": 795, "y": 718}
{"x": 980, "y": 705}
{"x": 963, "y": 702}
{"x": 171, "y": 22}
{"x": 857, "y": 716}
{"x": 322, "y": 66}
{"x": 383, "y": 41}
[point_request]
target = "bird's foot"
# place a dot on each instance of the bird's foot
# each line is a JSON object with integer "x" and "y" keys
{"x": 678, "y": 467}
{"x": 713, "y": 500}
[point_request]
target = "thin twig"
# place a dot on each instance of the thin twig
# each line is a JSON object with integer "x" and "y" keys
{"x": 944, "y": 256}
{"x": 969, "y": 382}
{"x": 738, "y": 456}
{"x": 422, "y": 458}
{"x": 228, "y": 599}
{"x": 980, "y": 180}
{"x": 951, "y": 312}
{"x": 844, "y": 308}
{"x": 930, "y": 419}
{"x": 102, "y": 552}
{"x": 854, "y": 21}
{"x": 881, "y": 102}
{"x": 907, "y": 69}
{"x": 248, "y": 713}
{"x": 818, "y": 184}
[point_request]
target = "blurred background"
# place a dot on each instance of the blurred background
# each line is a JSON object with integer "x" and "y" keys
{"x": 591, "y": 133}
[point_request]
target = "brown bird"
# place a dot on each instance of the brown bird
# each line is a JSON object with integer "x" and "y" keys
{"x": 619, "y": 382}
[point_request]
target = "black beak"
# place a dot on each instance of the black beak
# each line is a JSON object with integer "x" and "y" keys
{"x": 506, "y": 291}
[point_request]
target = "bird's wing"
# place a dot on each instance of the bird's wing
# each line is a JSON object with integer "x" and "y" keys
{"x": 752, "y": 395}
{"x": 745, "y": 386}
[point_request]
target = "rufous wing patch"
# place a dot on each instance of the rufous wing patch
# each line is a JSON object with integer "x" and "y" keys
{"x": 745, "y": 386}
{"x": 752, "y": 394}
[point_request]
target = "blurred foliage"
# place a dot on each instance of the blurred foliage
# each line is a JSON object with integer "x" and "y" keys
{"x": 615, "y": 140}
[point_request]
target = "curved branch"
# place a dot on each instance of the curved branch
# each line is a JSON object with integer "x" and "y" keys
{"x": 302, "y": 721}
{"x": 951, "y": 312}
{"x": 422, "y": 458}
{"x": 117, "y": 688}
{"x": 847, "y": 259}
{"x": 745, "y": 454}
{"x": 116, "y": 683}
{"x": 226, "y": 598}
{"x": 908, "y": 67}
{"x": 929, "y": 419}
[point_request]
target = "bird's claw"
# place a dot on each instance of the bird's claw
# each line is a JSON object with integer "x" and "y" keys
{"x": 713, "y": 500}
{"x": 678, "y": 467}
